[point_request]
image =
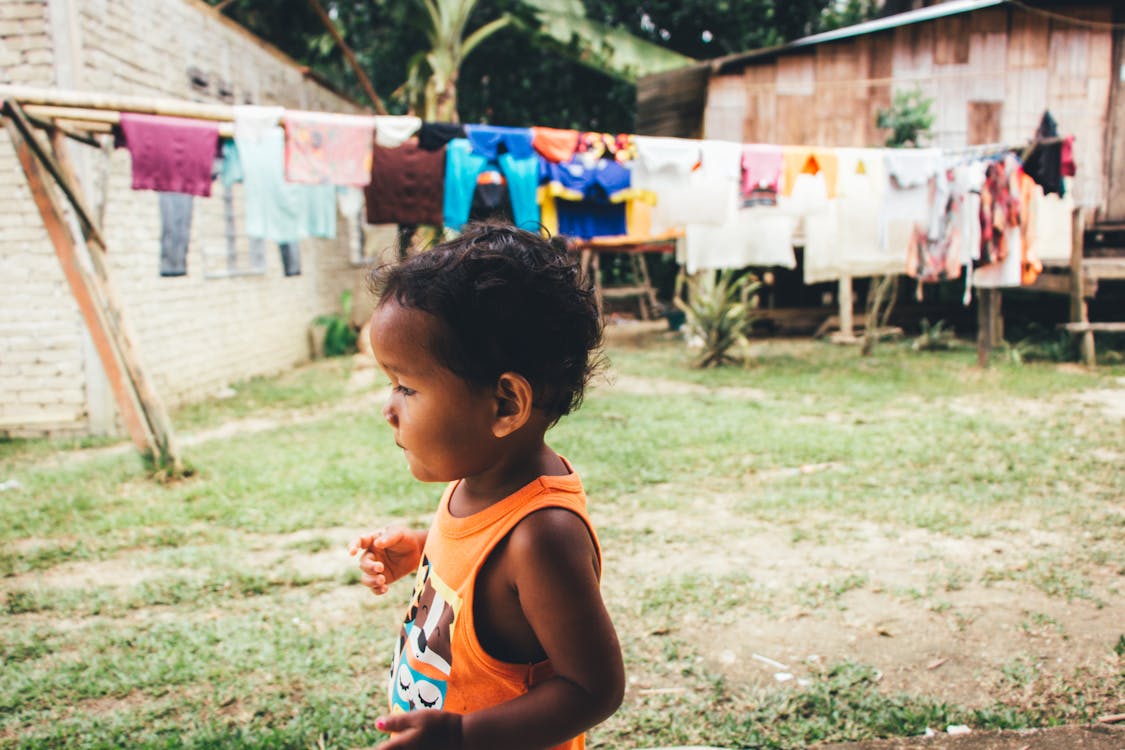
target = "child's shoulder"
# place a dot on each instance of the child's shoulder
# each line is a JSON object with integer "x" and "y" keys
{"x": 552, "y": 537}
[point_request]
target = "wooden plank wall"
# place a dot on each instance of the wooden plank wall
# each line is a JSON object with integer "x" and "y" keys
{"x": 991, "y": 73}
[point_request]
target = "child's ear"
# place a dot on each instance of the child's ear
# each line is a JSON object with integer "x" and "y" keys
{"x": 513, "y": 404}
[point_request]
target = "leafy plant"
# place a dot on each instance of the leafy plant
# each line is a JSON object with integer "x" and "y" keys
{"x": 1045, "y": 345}
{"x": 935, "y": 337}
{"x": 718, "y": 308}
{"x": 339, "y": 336}
{"x": 908, "y": 118}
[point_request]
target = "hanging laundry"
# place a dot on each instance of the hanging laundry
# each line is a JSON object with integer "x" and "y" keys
{"x": 175, "y": 232}
{"x": 1049, "y": 163}
{"x": 934, "y": 252}
{"x": 328, "y": 148}
{"x": 464, "y": 161}
{"x": 664, "y": 167}
{"x": 171, "y": 154}
{"x": 589, "y": 196}
{"x": 290, "y": 258}
{"x": 319, "y": 211}
{"x": 758, "y": 236}
{"x": 394, "y": 130}
{"x": 555, "y": 145}
{"x": 710, "y": 237}
{"x": 999, "y": 206}
{"x": 490, "y": 141}
{"x": 815, "y": 218}
{"x": 349, "y": 201}
{"x": 275, "y": 209}
{"x": 761, "y": 174}
{"x": 1001, "y": 237}
{"x": 406, "y": 185}
{"x": 857, "y": 249}
{"x": 968, "y": 179}
{"x": 798, "y": 160}
{"x": 1053, "y": 230}
{"x": 597, "y": 145}
{"x": 491, "y": 201}
{"x": 907, "y": 202}
{"x": 1030, "y": 265}
{"x": 433, "y": 136}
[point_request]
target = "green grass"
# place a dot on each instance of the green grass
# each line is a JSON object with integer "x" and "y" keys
{"x": 217, "y": 611}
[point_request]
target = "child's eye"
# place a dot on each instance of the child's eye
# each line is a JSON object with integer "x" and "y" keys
{"x": 404, "y": 390}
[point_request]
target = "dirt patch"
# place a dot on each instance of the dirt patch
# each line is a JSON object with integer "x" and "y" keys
{"x": 660, "y": 387}
{"x": 779, "y": 605}
{"x": 1098, "y": 737}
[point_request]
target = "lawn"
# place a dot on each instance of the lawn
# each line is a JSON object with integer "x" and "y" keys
{"x": 813, "y": 547}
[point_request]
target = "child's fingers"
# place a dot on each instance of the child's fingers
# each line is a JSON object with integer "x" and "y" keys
{"x": 363, "y": 542}
{"x": 391, "y": 536}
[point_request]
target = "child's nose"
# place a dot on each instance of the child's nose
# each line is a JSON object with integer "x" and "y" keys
{"x": 389, "y": 412}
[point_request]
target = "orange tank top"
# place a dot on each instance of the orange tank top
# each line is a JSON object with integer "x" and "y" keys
{"x": 438, "y": 661}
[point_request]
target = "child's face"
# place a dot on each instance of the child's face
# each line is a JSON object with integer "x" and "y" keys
{"x": 442, "y": 423}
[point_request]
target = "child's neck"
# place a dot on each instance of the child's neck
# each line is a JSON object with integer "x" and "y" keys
{"x": 517, "y": 469}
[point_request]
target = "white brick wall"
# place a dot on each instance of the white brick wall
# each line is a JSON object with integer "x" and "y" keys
{"x": 194, "y": 334}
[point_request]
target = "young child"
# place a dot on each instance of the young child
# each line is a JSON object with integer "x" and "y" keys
{"x": 488, "y": 340}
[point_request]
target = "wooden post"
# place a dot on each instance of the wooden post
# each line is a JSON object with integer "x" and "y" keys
{"x": 985, "y": 327}
{"x": 1079, "y": 310}
{"x": 847, "y": 324}
{"x": 142, "y": 410}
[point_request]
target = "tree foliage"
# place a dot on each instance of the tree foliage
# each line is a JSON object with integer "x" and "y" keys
{"x": 518, "y": 77}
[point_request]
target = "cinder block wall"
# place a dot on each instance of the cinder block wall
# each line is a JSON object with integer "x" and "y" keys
{"x": 194, "y": 333}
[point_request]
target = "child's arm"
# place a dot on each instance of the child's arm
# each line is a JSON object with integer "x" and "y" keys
{"x": 551, "y": 562}
{"x": 388, "y": 554}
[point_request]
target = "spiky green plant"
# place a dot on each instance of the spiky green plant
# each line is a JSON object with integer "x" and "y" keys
{"x": 718, "y": 308}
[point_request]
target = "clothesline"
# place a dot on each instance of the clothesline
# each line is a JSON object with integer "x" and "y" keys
{"x": 736, "y": 204}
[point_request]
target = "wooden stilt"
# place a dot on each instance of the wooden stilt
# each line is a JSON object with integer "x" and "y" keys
{"x": 984, "y": 326}
{"x": 847, "y": 321}
{"x": 143, "y": 412}
{"x": 1079, "y": 310}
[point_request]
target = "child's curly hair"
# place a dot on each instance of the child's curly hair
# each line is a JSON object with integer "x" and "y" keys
{"x": 509, "y": 301}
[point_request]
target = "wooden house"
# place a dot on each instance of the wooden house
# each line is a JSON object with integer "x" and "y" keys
{"x": 990, "y": 67}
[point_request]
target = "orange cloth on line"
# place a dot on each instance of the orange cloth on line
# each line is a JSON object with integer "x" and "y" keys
{"x": 555, "y": 144}
{"x": 438, "y": 661}
{"x": 803, "y": 159}
{"x": 1030, "y": 265}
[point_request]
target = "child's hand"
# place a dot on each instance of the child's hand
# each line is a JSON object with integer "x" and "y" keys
{"x": 429, "y": 729}
{"x": 387, "y": 555}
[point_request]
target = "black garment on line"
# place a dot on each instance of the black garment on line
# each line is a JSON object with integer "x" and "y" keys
{"x": 175, "y": 233}
{"x": 1044, "y": 164}
{"x": 434, "y": 135}
{"x": 491, "y": 201}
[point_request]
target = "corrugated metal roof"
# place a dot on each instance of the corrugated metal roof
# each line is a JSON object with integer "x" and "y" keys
{"x": 951, "y": 8}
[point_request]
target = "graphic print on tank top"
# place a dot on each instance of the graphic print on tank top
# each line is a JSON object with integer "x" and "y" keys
{"x": 424, "y": 655}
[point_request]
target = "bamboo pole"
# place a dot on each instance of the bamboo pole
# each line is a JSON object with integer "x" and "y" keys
{"x": 82, "y": 288}
{"x": 97, "y": 299}
{"x": 94, "y": 120}
{"x": 84, "y": 216}
{"x": 26, "y": 95}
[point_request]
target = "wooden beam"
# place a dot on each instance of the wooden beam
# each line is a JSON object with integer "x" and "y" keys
{"x": 986, "y": 324}
{"x": 82, "y": 289}
{"x": 1079, "y": 309}
{"x": 26, "y": 95}
{"x": 13, "y": 110}
{"x": 144, "y": 412}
